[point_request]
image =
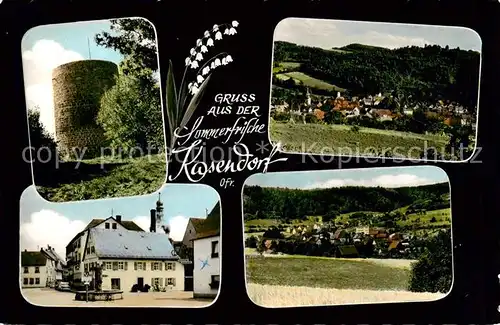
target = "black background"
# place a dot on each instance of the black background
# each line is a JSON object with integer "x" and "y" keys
{"x": 474, "y": 190}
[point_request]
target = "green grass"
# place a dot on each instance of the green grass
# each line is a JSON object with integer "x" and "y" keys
{"x": 325, "y": 273}
{"x": 341, "y": 140}
{"x": 286, "y": 66}
{"x": 136, "y": 176}
{"x": 308, "y": 81}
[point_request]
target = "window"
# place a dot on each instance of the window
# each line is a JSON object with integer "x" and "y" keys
{"x": 115, "y": 284}
{"x": 171, "y": 282}
{"x": 138, "y": 266}
{"x": 88, "y": 250}
{"x": 156, "y": 266}
{"x": 37, "y": 269}
{"x": 37, "y": 280}
{"x": 114, "y": 226}
{"x": 92, "y": 250}
{"x": 157, "y": 282}
{"x": 86, "y": 267}
{"x": 108, "y": 265}
{"x": 25, "y": 281}
{"x": 26, "y": 269}
{"x": 215, "y": 249}
{"x": 106, "y": 225}
{"x": 169, "y": 266}
{"x": 121, "y": 266}
{"x": 215, "y": 282}
{"x": 32, "y": 281}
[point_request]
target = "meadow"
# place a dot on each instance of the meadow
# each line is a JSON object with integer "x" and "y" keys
{"x": 343, "y": 140}
{"x": 306, "y": 281}
{"x": 104, "y": 177}
{"x": 308, "y": 81}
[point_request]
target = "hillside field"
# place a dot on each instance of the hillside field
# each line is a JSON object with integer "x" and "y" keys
{"x": 308, "y": 81}
{"x": 342, "y": 140}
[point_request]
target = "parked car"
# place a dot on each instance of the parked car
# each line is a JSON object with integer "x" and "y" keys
{"x": 63, "y": 286}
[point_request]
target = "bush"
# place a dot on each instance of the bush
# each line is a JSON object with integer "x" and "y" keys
{"x": 273, "y": 233}
{"x": 131, "y": 114}
{"x": 135, "y": 288}
{"x": 146, "y": 288}
{"x": 251, "y": 242}
{"x": 355, "y": 128}
{"x": 433, "y": 270}
{"x": 311, "y": 118}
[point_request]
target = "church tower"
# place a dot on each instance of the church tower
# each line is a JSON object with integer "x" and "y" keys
{"x": 308, "y": 98}
{"x": 159, "y": 212}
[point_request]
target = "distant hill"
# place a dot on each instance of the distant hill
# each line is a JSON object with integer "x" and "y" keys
{"x": 267, "y": 202}
{"x": 428, "y": 72}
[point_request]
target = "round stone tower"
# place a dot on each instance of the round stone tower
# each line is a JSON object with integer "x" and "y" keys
{"x": 77, "y": 88}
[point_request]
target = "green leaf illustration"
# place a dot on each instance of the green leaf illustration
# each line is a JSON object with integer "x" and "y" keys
{"x": 193, "y": 104}
{"x": 172, "y": 107}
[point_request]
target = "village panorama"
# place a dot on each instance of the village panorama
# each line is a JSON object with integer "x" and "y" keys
{"x": 326, "y": 243}
{"x": 368, "y": 99}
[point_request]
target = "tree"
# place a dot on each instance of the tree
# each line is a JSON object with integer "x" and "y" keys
{"x": 130, "y": 115}
{"x": 135, "y": 39}
{"x": 433, "y": 270}
{"x": 39, "y": 137}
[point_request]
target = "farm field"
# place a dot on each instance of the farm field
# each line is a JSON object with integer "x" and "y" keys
{"x": 326, "y": 272}
{"x": 105, "y": 178}
{"x": 294, "y": 280}
{"x": 308, "y": 81}
{"x": 341, "y": 140}
{"x": 287, "y": 296}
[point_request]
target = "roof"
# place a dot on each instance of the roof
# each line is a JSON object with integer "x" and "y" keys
{"x": 348, "y": 250}
{"x": 210, "y": 226}
{"x": 394, "y": 244}
{"x": 197, "y": 223}
{"x": 52, "y": 254}
{"x": 130, "y": 225}
{"x": 132, "y": 244}
{"x": 33, "y": 259}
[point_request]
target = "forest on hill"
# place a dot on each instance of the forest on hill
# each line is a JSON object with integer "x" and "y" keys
{"x": 424, "y": 73}
{"x": 288, "y": 204}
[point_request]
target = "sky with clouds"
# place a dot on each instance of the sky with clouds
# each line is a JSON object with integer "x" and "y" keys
{"x": 46, "y": 47}
{"x": 46, "y": 223}
{"x": 389, "y": 177}
{"x": 335, "y": 33}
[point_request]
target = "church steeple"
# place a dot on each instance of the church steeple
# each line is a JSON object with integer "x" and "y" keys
{"x": 159, "y": 211}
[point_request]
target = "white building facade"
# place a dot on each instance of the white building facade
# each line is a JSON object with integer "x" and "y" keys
{"x": 131, "y": 258}
{"x": 37, "y": 271}
{"x": 75, "y": 249}
{"x": 206, "y": 273}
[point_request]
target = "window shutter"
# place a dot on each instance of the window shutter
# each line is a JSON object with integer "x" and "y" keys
{"x": 173, "y": 281}
{"x": 173, "y": 266}
{"x": 144, "y": 266}
{"x": 152, "y": 266}
{"x": 161, "y": 266}
{"x": 161, "y": 282}
{"x": 135, "y": 266}
{"x": 126, "y": 266}
{"x": 152, "y": 282}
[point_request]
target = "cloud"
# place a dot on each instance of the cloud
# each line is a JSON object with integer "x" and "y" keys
{"x": 47, "y": 227}
{"x": 177, "y": 225}
{"x": 38, "y": 63}
{"x": 326, "y": 34}
{"x": 388, "y": 181}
